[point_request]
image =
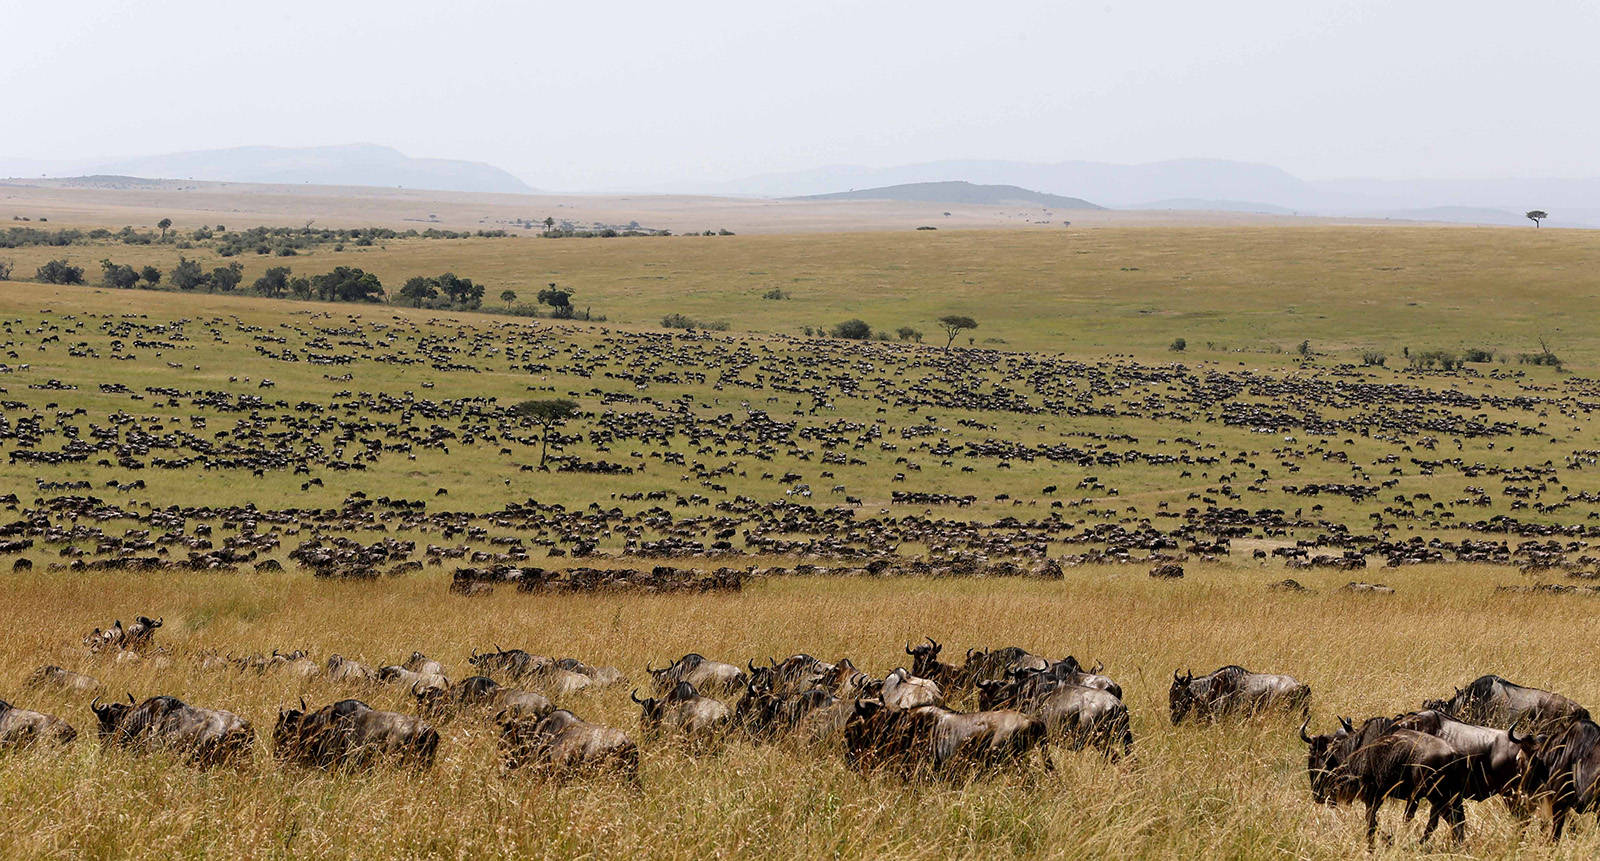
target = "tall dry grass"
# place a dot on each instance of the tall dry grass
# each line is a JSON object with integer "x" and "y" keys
{"x": 1222, "y": 791}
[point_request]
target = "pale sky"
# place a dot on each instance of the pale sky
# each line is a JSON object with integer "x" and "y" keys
{"x": 605, "y": 95}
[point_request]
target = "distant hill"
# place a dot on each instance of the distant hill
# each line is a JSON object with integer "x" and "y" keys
{"x": 958, "y": 192}
{"x": 353, "y": 164}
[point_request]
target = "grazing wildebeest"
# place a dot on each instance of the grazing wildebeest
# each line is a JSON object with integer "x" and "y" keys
{"x": 561, "y": 744}
{"x": 684, "y": 712}
{"x": 342, "y": 669}
{"x": 438, "y": 703}
{"x": 984, "y": 665}
{"x": 1561, "y": 770}
{"x": 140, "y": 634}
{"x": 598, "y": 676}
{"x": 925, "y": 664}
{"x": 697, "y": 670}
{"x": 351, "y": 734}
{"x": 1379, "y": 762}
{"x": 513, "y": 663}
{"x": 1084, "y": 716}
{"x": 205, "y": 736}
{"x": 395, "y": 674}
{"x": 63, "y": 679}
{"x": 421, "y": 664}
{"x": 1236, "y": 690}
{"x": 21, "y": 728}
{"x": 1494, "y": 701}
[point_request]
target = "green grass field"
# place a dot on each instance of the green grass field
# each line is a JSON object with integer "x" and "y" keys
{"x": 1239, "y": 440}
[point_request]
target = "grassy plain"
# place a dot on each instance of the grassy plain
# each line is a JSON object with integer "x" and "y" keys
{"x": 1106, "y": 298}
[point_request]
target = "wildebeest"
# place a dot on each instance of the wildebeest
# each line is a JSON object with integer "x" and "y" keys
{"x": 700, "y": 671}
{"x": 1493, "y": 701}
{"x": 437, "y": 703}
{"x": 512, "y": 663}
{"x": 205, "y": 736}
{"x": 561, "y": 744}
{"x": 140, "y": 634}
{"x": 902, "y": 691}
{"x": 1235, "y": 690}
{"x": 1561, "y": 770}
{"x": 21, "y": 728}
{"x": 1379, "y": 762}
{"x": 342, "y": 669}
{"x": 934, "y": 741}
{"x": 351, "y": 734}
{"x": 63, "y": 679}
{"x": 1493, "y": 764}
{"x": 925, "y": 664}
{"x": 420, "y": 663}
{"x": 683, "y": 712}
{"x": 995, "y": 664}
{"x": 395, "y": 674}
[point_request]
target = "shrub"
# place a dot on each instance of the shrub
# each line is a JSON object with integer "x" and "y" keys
{"x": 1304, "y": 349}
{"x": 5, "y": 270}
{"x": 1178, "y": 345}
{"x": 1477, "y": 354}
{"x": 151, "y": 274}
{"x": 118, "y": 275}
{"x": 907, "y": 333}
{"x": 1546, "y": 358}
{"x": 1373, "y": 359}
{"x": 1435, "y": 358}
{"x": 60, "y": 272}
{"x": 854, "y": 330}
{"x": 679, "y": 321}
{"x": 775, "y": 293}
{"x": 187, "y": 275}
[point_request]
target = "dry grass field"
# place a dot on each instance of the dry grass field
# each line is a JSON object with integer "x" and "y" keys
{"x": 259, "y": 430}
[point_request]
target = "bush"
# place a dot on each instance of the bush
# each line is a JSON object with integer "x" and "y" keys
{"x": 5, "y": 270}
{"x": 1546, "y": 358}
{"x": 679, "y": 321}
{"x": 151, "y": 274}
{"x": 60, "y": 272}
{"x": 1435, "y": 358}
{"x": 1304, "y": 349}
{"x": 775, "y": 293}
{"x": 1373, "y": 359}
{"x": 907, "y": 333}
{"x": 187, "y": 275}
{"x": 1476, "y": 354}
{"x": 1178, "y": 345}
{"x": 854, "y": 330}
{"x": 118, "y": 275}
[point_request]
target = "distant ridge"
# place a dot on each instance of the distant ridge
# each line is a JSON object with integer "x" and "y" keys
{"x": 958, "y": 192}
{"x": 351, "y": 164}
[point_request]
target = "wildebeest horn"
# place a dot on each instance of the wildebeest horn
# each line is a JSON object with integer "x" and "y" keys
{"x": 650, "y": 669}
{"x": 94, "y": 705}
{"x": 908, "y": 649}
{"x": 773, "y": 661}
{"x": 303, "y": 706}
{"x": 131, "y": 699}
{"x": 1345, "y": 722}
{"x": 969, "y": 653}
{"x": 634, "y": 695}
{"x": 934, "y": 642}
{"x": 1512, "y": 732}
{"x": 1176, "y": 677}
{"x": 1303, "y": 737}
{"x": 414, "y": 689}
{"x": 750, "y": 663}
{"x": 474, "y": 654}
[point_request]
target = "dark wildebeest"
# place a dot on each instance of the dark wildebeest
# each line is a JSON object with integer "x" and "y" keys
{"x": 931, "y": 740}
{"x": 1236, "y": 690}
{"x": 996, "y": 664}
{"x": 701, "y": 721}
{"x": 21, "y": 728}
{"x": 62, "y": 679}
{"x": 697, "y": 670}
{"x": 1493, "y": 766}
{"x": 1493, "y": 701}
{"x": 512, "y": 663}
{"x": 351, "y": 734}
{"x": 793, "y": 674}
{"x": 925, "y": 664}
{"x": 561, "y": 744}
{"x": 1379, "y": 762}
{"x": 342, "y": 669}
{"x": 205, "y": 736}
{"x": 1561, "y": 770}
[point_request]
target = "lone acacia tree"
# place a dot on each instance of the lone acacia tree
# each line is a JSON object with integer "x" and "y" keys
{"x": 165, "y": 224}
{"x": 1536, "y": 216}
{"x": 953, "y": 325}
{"x": 508, "y": 296}
{"x": 547, "y": 414}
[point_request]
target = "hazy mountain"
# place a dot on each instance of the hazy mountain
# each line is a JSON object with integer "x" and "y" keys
{"x": 1191, "y": 204}
{"x": 958, "y": 192}
{"x": 352, "y": 164}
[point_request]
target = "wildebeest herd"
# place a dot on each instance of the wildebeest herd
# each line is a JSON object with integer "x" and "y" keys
{"x": 1491, "y": 739}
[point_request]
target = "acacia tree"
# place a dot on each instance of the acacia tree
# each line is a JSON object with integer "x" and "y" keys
{"x": 548, "y": 413}
{"x": 953, "y": 325}
{"x": 508, "y": 296}
{"x": 165, "y": 224}
{"x": 1536, "y": 216}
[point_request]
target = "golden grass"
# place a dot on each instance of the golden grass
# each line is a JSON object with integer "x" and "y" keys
{"x": 1228, "y": 790}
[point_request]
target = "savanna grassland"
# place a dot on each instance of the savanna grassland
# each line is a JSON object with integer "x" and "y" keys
{"x": 168, "y": 452}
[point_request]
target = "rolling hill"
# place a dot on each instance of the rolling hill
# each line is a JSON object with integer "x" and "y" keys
{"x": 958, "y": 193}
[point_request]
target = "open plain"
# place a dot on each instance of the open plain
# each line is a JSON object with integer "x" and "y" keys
{"x": 1351, "y": 404}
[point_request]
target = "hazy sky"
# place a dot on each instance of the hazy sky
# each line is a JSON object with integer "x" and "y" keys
{"x": 601, "y": 95}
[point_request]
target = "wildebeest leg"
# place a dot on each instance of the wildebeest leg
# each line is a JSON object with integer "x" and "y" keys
{"x": 1457, "y": 814}
{"x": 1435, "y": 808}
{"x": 1558, "y": 821}
{"x": 1372, "y": 818}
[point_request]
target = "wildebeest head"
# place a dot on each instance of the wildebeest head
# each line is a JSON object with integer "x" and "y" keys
{"x": 1181, "y": 696}
{"x": 111, "y": 715}
{"x": 1448, "y": 706}
{"x": 923, "y": 655}
{"x": 1322, "y": 759}
{"x": 288, "y": 727}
